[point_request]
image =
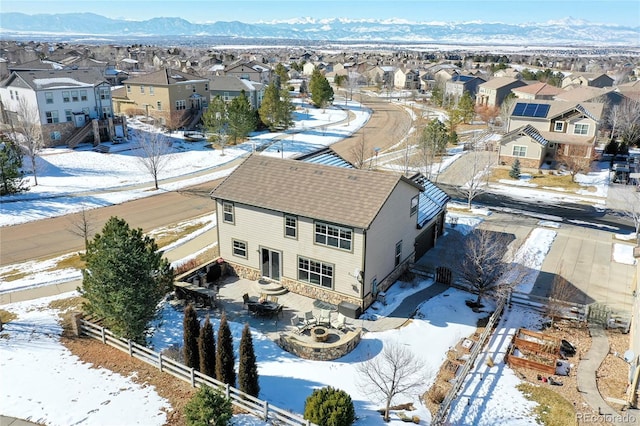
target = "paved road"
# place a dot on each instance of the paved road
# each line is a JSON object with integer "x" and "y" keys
{"x": 52, "y": 237}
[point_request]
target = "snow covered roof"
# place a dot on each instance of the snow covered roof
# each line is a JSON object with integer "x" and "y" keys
{"x": 54, "y": 79}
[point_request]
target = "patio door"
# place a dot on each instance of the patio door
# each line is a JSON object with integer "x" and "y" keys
{"x": 270, "y": 265}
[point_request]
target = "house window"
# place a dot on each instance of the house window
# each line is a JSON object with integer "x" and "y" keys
{"x": 414, "y": 205}
{"x": 206, "y": 87}
{"x": 334, "y": 236}
{"x": 581, "y": 129}
{"x": 83, "y": 95}
{"x": 142, "y": 89}
{"x": 227, "y": 212}
{"x": 398, "y": 255}
{"x": 151, "y": 90}
{"x": 519, "y": 151}
{"x": 54, "y": 136}
{"x": 65, "y": 96}
{"x": 180, "y": 105}
{"x": 314, "y": 272}
{"x": 290, "y": 226}
{"x": 240, "y": 248}
{"x": 128, "y": 88}
{"x": 104, "y": 93}
{"x": 11, "y": 92}
{"x": 74, "y": 96}
{"x": 68, "y": 114}
{"x": 48, "y": 97}
{"x": 559, "y": 126}
{"x": 225, "y": 96}
{"x": 159, "y": 106}
{"x": 52, "y": 117}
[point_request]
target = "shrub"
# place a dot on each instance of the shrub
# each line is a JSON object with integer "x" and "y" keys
{"x": 208, "y": 407}
{"x": 329, "y": 407}
{"x": 514, "y": 173}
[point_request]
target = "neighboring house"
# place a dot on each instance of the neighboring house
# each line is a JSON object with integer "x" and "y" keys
{"x": 307, "y": 68}
{"x": 494, "y": 91}
{"x": 406, "y": 79}
{"x": 587, "y": 79}
{"x": 165, "y": 95}
{"x": 229, "y": 88}
{"x": 538, "y": 132}
{"x": 249, "y": 71}
{"x": 65, "y": 101}
{"x": 537, "y": 91}
{"x": 630, "y": 90}
{"x": 331, "y": 233}
{"x": 457, "y": 85}
{"x": 508, "y": 72}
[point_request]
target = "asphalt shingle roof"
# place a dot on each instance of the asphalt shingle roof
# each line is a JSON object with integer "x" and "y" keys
{"x": 338, "y": 195}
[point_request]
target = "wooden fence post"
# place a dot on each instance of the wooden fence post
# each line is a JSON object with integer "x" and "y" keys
{"x": 227, "y": 393}
{"x": 265, "y": 410}
{"x": 193, "y": 378}
{"x": 130, "y": 348}
{"x": 160, "y": 361}
{"x": 102, "y": 334}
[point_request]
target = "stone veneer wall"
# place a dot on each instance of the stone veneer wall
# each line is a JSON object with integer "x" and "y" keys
{"x": 389, "y": 280}
{"x": 320, "y": 351}
{"x": 531, "y": 163}
{"x": 66, "y": 129}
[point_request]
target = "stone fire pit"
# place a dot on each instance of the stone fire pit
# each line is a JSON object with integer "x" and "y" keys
{"x": 320, "y": 334}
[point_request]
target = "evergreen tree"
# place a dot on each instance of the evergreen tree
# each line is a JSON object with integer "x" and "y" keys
{"x": 124, "y": 279}
{"x": 11, "y": 177}
{"x": 321, "y": 91}
{"x": 437, "y": 96}
{"x": 248, "y": 369}
{"x": 303, "y": 87}
{"x": 241, "y": 118}
{"x": 208, "y": 407}
{"x": 225, "y": 358}
{"x": 191, "y": 332}
{"x": 514, "y": 173}
{"x": 215, "y": 120}
{"x": 466, "y": 107}
{"x": 276, "y": 108}
{"x": 329, "y": 407}
{"x": 282, "y": 73}
{"x": 207, "y": 347}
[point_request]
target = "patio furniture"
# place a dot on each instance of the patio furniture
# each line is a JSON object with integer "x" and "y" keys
{"x": 340, "y": 322}
{"x": 245, "y": 299}
{"x": 298, "y": 323}
{"x": 273, "y": 299}
{"x": 324, "y": 317}
{"x": 266, "y": 309}
{"x": 309, "y": 319}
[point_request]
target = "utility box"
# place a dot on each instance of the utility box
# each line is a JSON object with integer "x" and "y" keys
{"x": 349, "y": 310}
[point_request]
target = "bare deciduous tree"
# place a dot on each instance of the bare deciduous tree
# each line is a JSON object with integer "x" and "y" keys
{"x": 484, "y": 262}
{"x": 624, "y": 122}
{"x": 156, "y": 152}
{"x": 396, "y": 371}
{"x": 562, "y": 293}
{"x": 476, "y": 176}
{"x": 575, "y": 160}
{"x": 83, "y": 225}
{"x": 631, "y": 196}
{"x": 359, "y": 153}
{"x": 29, "y": 135}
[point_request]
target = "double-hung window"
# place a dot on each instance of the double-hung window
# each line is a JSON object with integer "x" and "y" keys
{"x": 581, "y": 129}
{"x": 559, "y": 126}
{"x": 68, "y": 115}
{"x": 74, "y": 96}
{"x": 290, "y": 226}
{"x": 413, "y": 209}
{"x": 333, "y": 236}
{"x": 83, "y": 95}
{"x": 240, "y": 248}
{"x": 228, "y": 214}
{"x": 151, "y": 91}
{"x": 519, "y": 151}
{"x": 48, "y": 97}
{"x": 315, "y": 272}
{"x": 52, "y": 117}
{"x": 398, "y": 255}
{"x": 181, "y": 104}
{"x": 66, "y": 97}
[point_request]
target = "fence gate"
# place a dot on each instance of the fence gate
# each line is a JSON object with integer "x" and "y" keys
{"x": 598, "y": 313}
{"x": 443, "y": 275}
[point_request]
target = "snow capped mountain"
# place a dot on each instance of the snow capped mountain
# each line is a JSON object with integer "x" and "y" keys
{"x": 558, "y": 32}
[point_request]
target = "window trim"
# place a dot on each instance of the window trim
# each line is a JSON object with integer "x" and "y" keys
{"x": 83, "y": 95}
{"x": 66, "y": 96}
{"x": 338, "y": 236}
{"x": 413, "y": 207}
{"x": 232, "y": 212}
{"x": 48, "y": 97}
{"x": 294, "y": 227}
{"x": 319, "y": 270}
{"x": 562, "y": 125}
{"x": 52, "y": 117}
{"x": 397, "y": 259}
{"x": 520, "y": 152}
{"x": 236, "y": 245}
{"x": 181, "y": 105}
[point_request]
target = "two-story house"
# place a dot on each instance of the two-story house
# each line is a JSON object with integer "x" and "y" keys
{"x": 62, "y": 101}
{"x": 587, "y": 79}
{"x": 228, "y": 88}
{"x": 166, "y": 95}
{"x": 407, "y": 79}
{"x": 494, "y": 91}
{"x": 539, "y": 90}
{"x": 538, "y": 131}
{"x": 459, "y": 84}
{"x": 331, "y": 233}
{"x": 249, "y": 71}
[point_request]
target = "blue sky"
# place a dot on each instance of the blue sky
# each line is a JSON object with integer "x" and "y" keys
{"x": 509, "y": 11}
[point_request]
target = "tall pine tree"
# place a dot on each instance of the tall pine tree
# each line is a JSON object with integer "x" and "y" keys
{"x": 124, "y": 279}
{"x": 276, "y": 108}
{"x": 191, "y": 332}
{"x": 242, "y": 119}
{"x": 12, "y": 180}
{"x": 321, "y": 90}
{"x": 207, "y": 346}
{"x": 248, "y": 369}
{"x": 225, "y": 358}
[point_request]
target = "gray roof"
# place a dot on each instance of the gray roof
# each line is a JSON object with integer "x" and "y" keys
{"x": 333, "y": 194}
{"x": 52, "y": 79}
{"x": 432, "y": 200}
{"x": 232, "y": 83}
{"x": 164, "y": 77}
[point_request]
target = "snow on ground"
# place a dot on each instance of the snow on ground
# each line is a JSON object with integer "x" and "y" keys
{"x": 531, "y": 255}
{"x": 45, "y": 383}
{"x": 623, "y": 253}
{"x": 72, "y": 179}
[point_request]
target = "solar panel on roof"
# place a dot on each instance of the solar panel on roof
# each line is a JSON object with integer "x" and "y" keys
{"x": 530, "y": 110}
{"x": 519, "y": 109}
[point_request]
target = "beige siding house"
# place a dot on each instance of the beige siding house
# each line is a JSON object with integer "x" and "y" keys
{"x": 494, "y": 91}
{"x": 331, "y": 233}
{"x": 538, "y": 131}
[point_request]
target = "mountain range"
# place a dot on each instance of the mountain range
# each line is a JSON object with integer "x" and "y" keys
{"x": 566, "y": 31}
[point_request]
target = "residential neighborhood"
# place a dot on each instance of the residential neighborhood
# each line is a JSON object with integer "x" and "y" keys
{"x": 318, "y": 222}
